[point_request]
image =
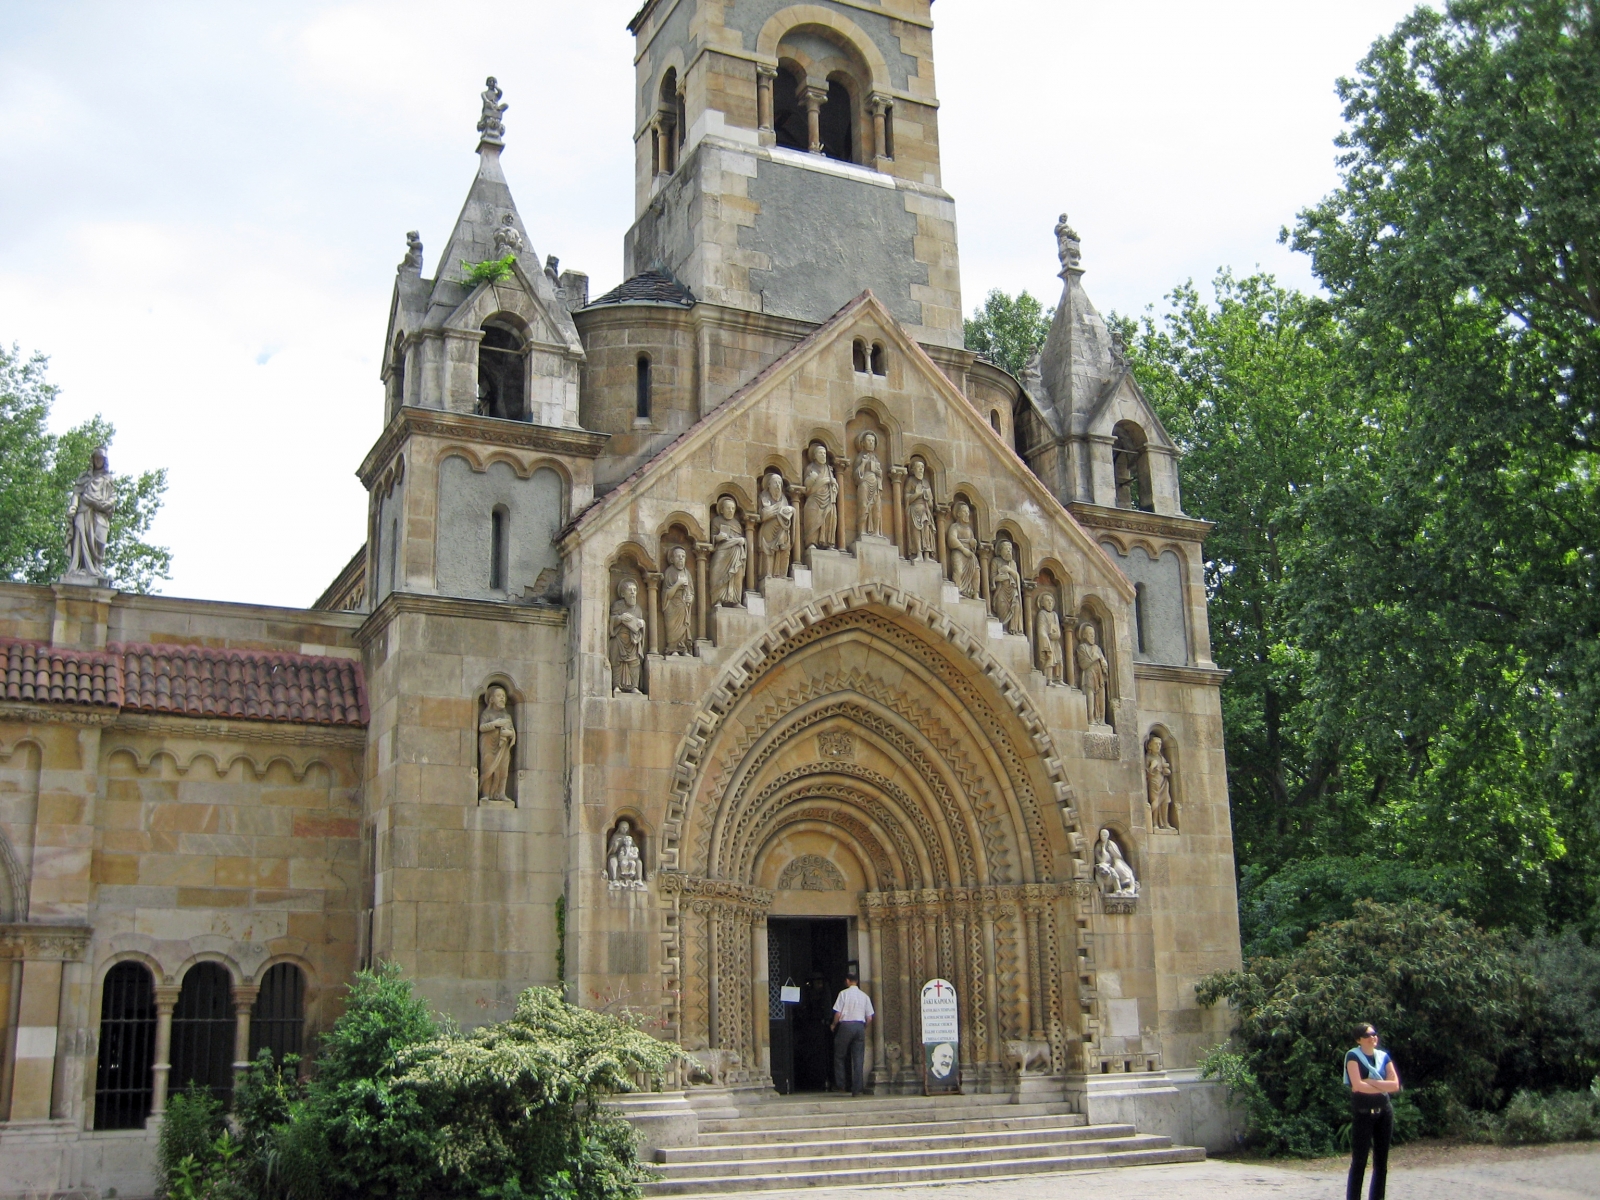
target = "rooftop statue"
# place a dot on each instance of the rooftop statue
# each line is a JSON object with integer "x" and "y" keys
{"x": 490, "y": 123}
{"x": 1068, "y": 245}
{"x": 89, "y": 520}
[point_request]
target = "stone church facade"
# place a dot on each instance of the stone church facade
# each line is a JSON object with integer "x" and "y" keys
{"x": 730, "y": 627}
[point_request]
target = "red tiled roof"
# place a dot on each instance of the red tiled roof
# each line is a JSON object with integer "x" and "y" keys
{"x": 195, "y": 681}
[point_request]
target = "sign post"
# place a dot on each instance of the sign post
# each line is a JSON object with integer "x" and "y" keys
{"x": 941, "y": 1039}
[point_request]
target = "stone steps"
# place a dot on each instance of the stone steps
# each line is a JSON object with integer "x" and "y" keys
{"x": 782, "y": 1143}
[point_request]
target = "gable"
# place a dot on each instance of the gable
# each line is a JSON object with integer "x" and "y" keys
{"x": 815, "y": 395}
{"x": 544, "y": 319}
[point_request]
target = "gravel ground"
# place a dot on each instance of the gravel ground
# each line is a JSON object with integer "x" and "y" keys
{"x": 1427, "y": 1171}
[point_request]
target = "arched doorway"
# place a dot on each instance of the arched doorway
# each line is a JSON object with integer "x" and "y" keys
{"x": 924, "y": 805}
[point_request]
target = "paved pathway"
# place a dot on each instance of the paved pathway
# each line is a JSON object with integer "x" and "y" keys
{"x": 1427, "y": 1172}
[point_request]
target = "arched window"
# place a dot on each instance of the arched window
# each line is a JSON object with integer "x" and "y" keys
{"x": 837, "y": 123}
{"x": 789, "y": 123}
{"x": 502, "y": 380}
{"x": 397, "y": 370}
{"x": 880, "y": 360}
{"x": 1131, "y": 464}
{"x": 643, "y": 388}
{"x": 277, "y": 1021}
{"x": 202, "y": 1032}
{"x": 123, "y": 1078}
{"x": 1139, "y": 617}
{"x": 670, "y": 120}
{"x": 394, "y": 551}
{"x": 858, "y": 356}
{"x": 994, "y": 420}
{"x": 499, "y": 547}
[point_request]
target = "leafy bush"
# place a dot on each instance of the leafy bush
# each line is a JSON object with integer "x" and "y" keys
{"x": 1439, "y": 989}
{"x": 491, "y": 271}
{"x": 404, "y": 1107}
{"x": 1557, "y": 1043}
{"x": 188, "y": 1145}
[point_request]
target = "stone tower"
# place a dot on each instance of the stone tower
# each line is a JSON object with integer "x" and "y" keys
{"x": 784, "y": 167}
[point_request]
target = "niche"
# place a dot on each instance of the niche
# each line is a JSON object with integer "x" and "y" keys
{"x": 502, "y": 372}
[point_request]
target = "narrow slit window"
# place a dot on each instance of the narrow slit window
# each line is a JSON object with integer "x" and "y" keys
{"x": 123, "y": 1076}
{"x": 641, "y": 390}
{"x": 994, "y": 419}
{"x": 880, "y": 360}
{"x": 497, "y": 549}
{"x": 394, "y": 551}
{"x": 1139, "y": 601}
{"x": 888, "y": 131}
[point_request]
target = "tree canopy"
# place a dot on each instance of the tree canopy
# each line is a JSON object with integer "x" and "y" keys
{"x": 37, "y": 470}
{"x": 1006, "y": 330}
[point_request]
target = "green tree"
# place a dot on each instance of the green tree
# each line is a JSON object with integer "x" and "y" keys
{"x": 1452, "y": 594}
{"x": 1007, "y": 330}
{"x": 37, "y": 470}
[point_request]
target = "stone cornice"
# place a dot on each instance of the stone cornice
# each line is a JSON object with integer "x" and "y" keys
{"x": 1133, "y": 520}
{"x": 396, "y": 603}
{"x": 280, "y": 733}
{"x": 25, "y": 713}
{"x": 1203, "y": 676}
{"x": 520, "y": 435}
{"x": 44, "y": 943}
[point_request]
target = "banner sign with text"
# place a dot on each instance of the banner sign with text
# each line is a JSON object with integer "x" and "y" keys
{"x": 941, "y": 1038}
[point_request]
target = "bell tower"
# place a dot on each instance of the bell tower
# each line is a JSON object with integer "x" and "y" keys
{"x": 787, "y": 159}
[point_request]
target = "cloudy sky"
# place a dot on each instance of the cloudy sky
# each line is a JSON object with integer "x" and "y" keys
{"x": 202, "y": 204}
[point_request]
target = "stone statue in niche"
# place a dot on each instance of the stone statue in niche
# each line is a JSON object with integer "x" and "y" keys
{"x": 811, "y": 873}
{"x": 506, "y": 238}
{"x": 627, "y": 638}
{"x": 624, "y": 866}
{"x": 1005, "y": 586}
{"x": 820, "y": 525}
{"x": 677, "y": 603}
{"x": 1094, "y": 672}
{"x": 497, "y": 734}
{"x": 1068, "y": 246}
{"x": 1158, "y": 784}
{"x": 1111, "y": 868}
{"x": 869, "y": 487}
{"x": 1047, "y": 640}
{"x": 920, "y": 516}
{"x": 773, "y": 537}
{"x": 89, "y": 511}
{"x": 962, "y": 544}
{"x": 413, "y": 258}
{"x": 728, "y": 554}
{"x": 491, "y": 124}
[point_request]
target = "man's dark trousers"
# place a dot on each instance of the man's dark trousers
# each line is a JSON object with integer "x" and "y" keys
{"x": 850, "y": 1037}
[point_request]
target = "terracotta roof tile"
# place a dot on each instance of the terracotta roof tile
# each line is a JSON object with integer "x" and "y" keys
{"x": 196, "y": 681}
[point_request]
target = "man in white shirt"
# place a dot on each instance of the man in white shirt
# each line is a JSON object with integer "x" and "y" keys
{"x": 852, "y": 1013}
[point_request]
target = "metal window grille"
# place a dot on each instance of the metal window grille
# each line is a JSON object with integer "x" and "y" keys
{"x": 202, "y": 1032}
{"x": 123, "y": 1079}
{"x": 278, "y": 1019}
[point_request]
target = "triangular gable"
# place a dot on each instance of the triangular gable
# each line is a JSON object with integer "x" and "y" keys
{"x": 753, "y": 393}
{"x": 472, "y": 239}
{"x": 529, "y": 296}
{"x": 1151, "y": 422}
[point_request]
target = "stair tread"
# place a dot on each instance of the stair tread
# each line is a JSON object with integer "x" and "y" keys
{"x": 868, "y": 1143}
{"x": 953, "y": 1153}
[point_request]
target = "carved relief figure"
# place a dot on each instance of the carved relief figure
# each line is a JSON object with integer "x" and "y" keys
{"x": 506, "y": 238}
{"x": 490, "y": 123}
{"x": 869, "y": 487}
{"x": 1111, "y": 869}
{"x": 624, "y": 866}
{"x": 811, "y": 873}
{"x": 89, "y": 520}
{"x": 1158, "y": 784}
{"x": 820, "y": 525}
{"x": 962, "y": 544}
{"x": 627, "y": 638}
{"x": 1094, "y": 672}
{"x": 1005, "y": 586}
{"x": 1047, "y": 640}
{"x": 924, "y": 537}
{"x": 773, "y": 538}
{"x": 497, "y": 734}
{"x": 728, "y": 554}
{"x": 677, "y": 603}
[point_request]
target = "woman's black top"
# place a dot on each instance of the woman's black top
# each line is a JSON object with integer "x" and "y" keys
{"x": 1373, "y": 1068}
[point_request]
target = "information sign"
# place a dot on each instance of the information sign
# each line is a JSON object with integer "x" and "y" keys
{"x": 941, "y": 1038}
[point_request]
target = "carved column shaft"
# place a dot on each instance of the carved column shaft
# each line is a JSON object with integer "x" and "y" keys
{"x": 993, "y": 1026}
{"x": 1029, "y": 587}
{"x": 702, "y": 623}
{"x": 880, "y": 139}
{"x": 166, "y": 1001}
{"x": 798, "y": 555}
{"x": 880, "y": 978}
{"x": 244, "y": 999}
{"x": 942, "y": 512}
{"x": 652, "y": 611}
{"x": 814, "y": 98}
{"x": 1035, "y": 1008}
{"x": 897, "y": 494}
{"x": 751, "y": 524}
{"x": 985, "y": 560}
{"x": 765, "y": 77}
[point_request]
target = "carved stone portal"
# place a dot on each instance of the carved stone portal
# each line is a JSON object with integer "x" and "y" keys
{"x": 811, "y": 873}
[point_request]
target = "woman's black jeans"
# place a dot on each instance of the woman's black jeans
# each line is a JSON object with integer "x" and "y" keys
{"x": 1370, "y": 1130}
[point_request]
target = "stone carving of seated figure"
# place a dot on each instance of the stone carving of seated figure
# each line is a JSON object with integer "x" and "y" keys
{"x": 1111, "y": 869}
{"x": 624, "y": 867}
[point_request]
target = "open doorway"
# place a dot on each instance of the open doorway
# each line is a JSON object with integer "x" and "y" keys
{"x": 813, "y": 954}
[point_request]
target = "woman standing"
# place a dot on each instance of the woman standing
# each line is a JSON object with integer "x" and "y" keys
{"x": 1372, "y": 1078}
